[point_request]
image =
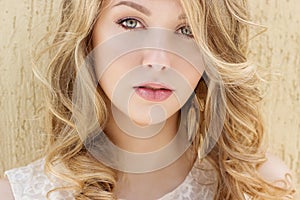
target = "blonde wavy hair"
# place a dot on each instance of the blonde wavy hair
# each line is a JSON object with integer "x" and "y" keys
{"x": 220, "y": 28}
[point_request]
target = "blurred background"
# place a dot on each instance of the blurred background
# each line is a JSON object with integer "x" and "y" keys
{"x": 23, "y": 22}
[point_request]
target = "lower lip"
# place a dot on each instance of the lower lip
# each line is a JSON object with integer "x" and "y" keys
{"x": 153, "y": 95}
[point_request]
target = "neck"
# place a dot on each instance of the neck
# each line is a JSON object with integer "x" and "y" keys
{"x": 129, "y": 183}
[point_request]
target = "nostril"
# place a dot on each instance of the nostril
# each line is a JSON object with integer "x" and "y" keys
{"x": 157, "y": 67}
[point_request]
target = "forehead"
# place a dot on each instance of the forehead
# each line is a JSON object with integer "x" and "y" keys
{"x": 162, "y": 5}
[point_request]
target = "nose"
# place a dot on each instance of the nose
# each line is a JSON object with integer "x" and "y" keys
{"x": 156, "y": 59}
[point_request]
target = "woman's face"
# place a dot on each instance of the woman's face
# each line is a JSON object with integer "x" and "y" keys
{"x": 144, "y": 80}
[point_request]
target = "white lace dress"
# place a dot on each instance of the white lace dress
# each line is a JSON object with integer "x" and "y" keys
{"x": 31, "y": 183}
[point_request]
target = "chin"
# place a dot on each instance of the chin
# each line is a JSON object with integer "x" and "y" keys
{"x": 143, "y": 119}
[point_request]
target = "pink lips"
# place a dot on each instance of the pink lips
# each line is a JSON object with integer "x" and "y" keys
{"x": 153, "y": 91}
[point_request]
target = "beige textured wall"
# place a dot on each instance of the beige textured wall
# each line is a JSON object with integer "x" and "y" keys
{"x": 21, "y": 120}
{"x": 278, "y": 50}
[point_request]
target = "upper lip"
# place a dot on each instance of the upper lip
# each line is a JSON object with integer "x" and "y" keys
{"x": 154, "y": 85}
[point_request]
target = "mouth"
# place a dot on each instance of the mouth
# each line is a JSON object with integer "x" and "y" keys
{"x": 156, "y": 92}
{"x": 154, "y": 86}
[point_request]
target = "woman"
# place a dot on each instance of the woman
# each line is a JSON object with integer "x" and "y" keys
{"x": 152, "y": 100}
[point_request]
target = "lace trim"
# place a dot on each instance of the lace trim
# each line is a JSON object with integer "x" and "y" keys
{"x": 31, "y": 183}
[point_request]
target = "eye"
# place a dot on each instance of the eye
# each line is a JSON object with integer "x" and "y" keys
{"x": 129, "y": 23}
{"x": 186, "y": 30}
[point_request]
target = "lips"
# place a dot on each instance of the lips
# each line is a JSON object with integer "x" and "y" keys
{"x": 154, "y": 86}
{"x": 154, "y": 91}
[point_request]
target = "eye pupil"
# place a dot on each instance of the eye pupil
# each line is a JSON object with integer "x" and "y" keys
{"x": 131, "y": 23}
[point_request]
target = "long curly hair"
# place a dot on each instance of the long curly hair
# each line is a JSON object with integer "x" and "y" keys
{"x": 220, "y": 29}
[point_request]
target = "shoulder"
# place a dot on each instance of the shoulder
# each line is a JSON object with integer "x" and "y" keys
{"x": 275, "y": 171}
{"x": 5, "y": 189}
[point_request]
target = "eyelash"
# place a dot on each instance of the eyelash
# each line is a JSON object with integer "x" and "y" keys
{"x": 121, "y": 21}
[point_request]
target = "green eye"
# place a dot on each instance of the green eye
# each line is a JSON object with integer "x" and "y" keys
{"x": 185, "y": 30}
{"x": 129, "y": 23}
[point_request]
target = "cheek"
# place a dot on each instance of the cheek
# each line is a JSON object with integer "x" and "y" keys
{"x": 113, "y": 74}
{"x": 104, "y": 29}
{"x": 191, "y": 74}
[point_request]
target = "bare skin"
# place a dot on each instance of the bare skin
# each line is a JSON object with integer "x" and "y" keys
{"x": 5, "y": 190}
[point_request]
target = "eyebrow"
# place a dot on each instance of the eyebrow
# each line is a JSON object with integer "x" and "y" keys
{"x": 182, "y": 16}
{"x": 135, "y": 6}
{"x": 141, "y": 8}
